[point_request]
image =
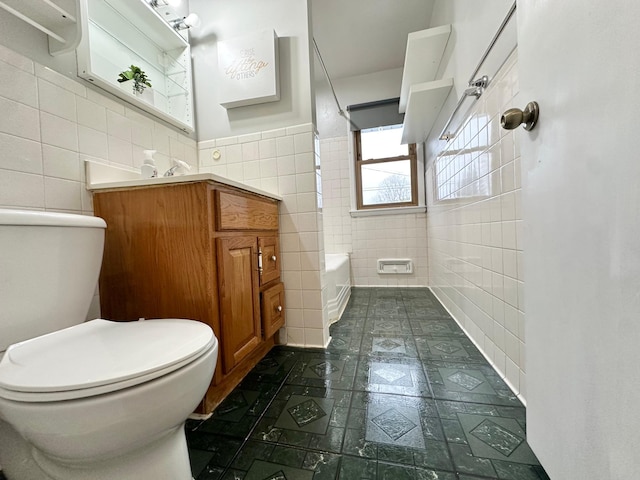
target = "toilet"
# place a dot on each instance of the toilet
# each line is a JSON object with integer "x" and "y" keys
{"x": 87, "y": 400}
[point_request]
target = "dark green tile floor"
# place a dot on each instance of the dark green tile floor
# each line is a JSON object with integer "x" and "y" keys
{"x": 400, "y": 393}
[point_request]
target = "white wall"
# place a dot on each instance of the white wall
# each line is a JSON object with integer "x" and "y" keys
{"x": 367, "y": 238}
{"x": 472, "y": 268}
{"x": 272, "y": 146}
{"x": 473, "y": 26}
{"x": 51, "y": 124}
{"x": 336, "y": 195}
{"x": 352, "y": 91}
{"x": 224, "y": 19}
{"x": 474, "y": 228}
{"x": 30, "y": 42}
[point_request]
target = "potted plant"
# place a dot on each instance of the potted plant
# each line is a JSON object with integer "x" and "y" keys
{"x": 140, "y": 82}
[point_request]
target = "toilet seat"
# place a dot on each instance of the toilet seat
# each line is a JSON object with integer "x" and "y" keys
{"x": 100, "y": 356}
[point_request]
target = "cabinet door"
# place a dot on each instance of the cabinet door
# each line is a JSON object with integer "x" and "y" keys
{"x": 269, "y": 247}
{"x": 239, "y": 300}
{"x": 273, "y": 309}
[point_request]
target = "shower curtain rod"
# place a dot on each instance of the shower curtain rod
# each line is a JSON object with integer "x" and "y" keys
{"x": 477, "y": 84}
{"x": 326, "y": 74}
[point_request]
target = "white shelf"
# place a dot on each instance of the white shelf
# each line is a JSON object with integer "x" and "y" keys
{"x": 57, "y": 18}
{"x": 422, "y": 59}
{"x": 120, "y": 33}
{"x": 150, "y": 22}
{"x": 424, "y": 103}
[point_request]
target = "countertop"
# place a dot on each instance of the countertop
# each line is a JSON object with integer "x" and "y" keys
{"x": 105, "y": 177}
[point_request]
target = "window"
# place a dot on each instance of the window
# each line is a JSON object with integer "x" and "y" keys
{"x": 385, "y": 170}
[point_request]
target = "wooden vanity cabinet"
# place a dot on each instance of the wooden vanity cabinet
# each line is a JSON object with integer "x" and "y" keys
{"x": 203, "y": 251}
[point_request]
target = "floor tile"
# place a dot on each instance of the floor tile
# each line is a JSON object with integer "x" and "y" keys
{"x": 306, "y": 414}
{"x": 497, "y": 438}
{"x": 274, "y": 471}
{"x": 345, "y": 342}
{"x": 388, "y": 325}
{"x": 400, "y": 393}
{"x": 433, "y": 348}
{"x": 259, "y": 460}
{"x": 275, "y": 366}
{"x": 396, "y": 428}
{"x": 348, "y": 323}
{"x": 329, "y": 370}
{"x": 468, "y": 382}
{"x": 355, "y": 310}
{"x": 313, "y": 418}
{"x": 391, "y": 345}
{"x": 379, "y": 373}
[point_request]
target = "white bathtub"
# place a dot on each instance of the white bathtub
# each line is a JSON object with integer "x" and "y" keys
{"x": 338, "y": 284}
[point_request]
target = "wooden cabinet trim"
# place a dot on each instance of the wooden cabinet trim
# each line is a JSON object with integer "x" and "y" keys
{"x": 240, "y": 212}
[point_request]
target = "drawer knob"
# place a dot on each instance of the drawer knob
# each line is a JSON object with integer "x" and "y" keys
{"x": 279, "y": 308}
{"x": 273, "y": 257}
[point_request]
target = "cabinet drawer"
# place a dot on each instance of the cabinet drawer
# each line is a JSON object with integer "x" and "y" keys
{"x": 269, "y": 247}
{"x": 237, "y": 212}
{"x": 272, "y": 310}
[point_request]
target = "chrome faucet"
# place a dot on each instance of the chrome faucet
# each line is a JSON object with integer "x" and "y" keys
{"x": 177, "y": 164}
{"x": 171, "y": 171}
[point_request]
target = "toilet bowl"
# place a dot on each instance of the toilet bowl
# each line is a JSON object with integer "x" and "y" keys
{"x": 97, "y": 399}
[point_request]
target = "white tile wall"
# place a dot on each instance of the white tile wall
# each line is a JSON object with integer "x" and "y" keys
{"x": 336, "y": 195}
{"x": 393, "y": 236}
{"x": 50, "y": 124}
{"x": 367, "y": 238}
{"x": 474, "y": 225}
{"x": 283, "y": 162}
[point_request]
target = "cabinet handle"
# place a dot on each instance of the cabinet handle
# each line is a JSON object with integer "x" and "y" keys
{"x": 279, "y": 308}
{"x": 273, "y": 258}
{"x": 260, "y": 262}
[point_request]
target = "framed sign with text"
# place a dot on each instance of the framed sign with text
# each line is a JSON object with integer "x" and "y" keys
{"x": 248, "y": 70}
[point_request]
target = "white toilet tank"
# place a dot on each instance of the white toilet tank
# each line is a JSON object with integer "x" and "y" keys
{"x": 49, "y": 267}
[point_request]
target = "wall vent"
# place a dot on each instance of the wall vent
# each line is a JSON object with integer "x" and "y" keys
{"x": 395, "y": 266}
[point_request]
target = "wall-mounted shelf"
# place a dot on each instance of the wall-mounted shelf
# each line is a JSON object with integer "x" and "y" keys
{"x": 120, "y": 33}
{"x": 423, "y": 106}
{"x": 422, "y": 59}
{"x": 59, "y": 19}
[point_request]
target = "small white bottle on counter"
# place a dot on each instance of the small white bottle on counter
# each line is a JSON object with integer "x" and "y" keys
{"x": 149, "y": 169}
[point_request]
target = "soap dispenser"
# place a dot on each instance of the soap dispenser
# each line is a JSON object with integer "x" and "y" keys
{"x": 149, "y": 169}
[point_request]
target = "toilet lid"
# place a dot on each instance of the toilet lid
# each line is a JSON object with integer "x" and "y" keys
{"x": 102, "y": 352}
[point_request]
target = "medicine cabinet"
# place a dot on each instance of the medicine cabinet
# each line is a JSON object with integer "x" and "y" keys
{"x": 121, "y": 33}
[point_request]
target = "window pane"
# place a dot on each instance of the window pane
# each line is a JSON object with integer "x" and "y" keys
{"x": 382, "y": 142}
{"x": 386, "y": 182}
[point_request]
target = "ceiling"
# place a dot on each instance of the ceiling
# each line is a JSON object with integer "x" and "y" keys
{"x": 356, "y": 37}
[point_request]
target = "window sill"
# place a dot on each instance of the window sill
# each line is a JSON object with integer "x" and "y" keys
{"x": 387, "y": 211}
